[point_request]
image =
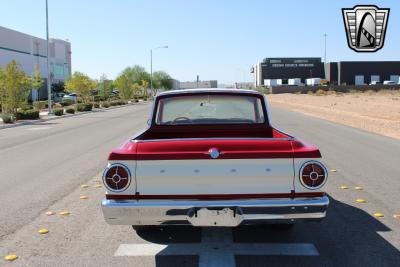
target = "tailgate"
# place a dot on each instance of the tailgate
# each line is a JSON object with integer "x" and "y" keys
{"x": 185, "y": 167}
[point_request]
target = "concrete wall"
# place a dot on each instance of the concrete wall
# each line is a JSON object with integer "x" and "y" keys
{"x": 337, "y": 88}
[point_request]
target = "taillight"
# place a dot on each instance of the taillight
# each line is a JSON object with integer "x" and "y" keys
{"x": 313, "y": 175}
{"x": 117, "y": 177}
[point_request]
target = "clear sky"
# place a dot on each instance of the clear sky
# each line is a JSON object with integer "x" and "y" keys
{"x": 216, "y": 39}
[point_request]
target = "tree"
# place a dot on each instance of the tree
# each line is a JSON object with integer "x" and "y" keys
{"x": 104, "y": 87}
{"x": 136, "y": 74}
{"x": 162, "y": 80}
{"x": 37, "y": 81}
{"x": 15, "y": 86}
{"x": 80, "y": 84}
{"x": 2, "y": 89}
{"x": 145, "y": 85}
{"x": 135, "y": 88}
{"x": 124, "y": 85}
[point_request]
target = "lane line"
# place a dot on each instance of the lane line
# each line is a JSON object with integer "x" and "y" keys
{"x": 293, "y": 249}
{"x": 217, "y": 249}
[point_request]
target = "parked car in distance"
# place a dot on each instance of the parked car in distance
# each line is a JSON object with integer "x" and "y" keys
{"x": 210, "y": 157}
{"x": 389, "y": 83}
{"x": 71, "y": 96}
{"x": 294, "y": 82}
{"x": 374, "y": 83}
{"x": 313, "y": 81}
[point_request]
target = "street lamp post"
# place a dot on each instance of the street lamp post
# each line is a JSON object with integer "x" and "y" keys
{"x": 325, "y": 47}
{"x": 151, "y": 66}
{"x": 48, "y": 63}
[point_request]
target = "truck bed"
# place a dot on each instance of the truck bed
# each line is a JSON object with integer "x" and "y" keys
{"x": 243, "y": 131}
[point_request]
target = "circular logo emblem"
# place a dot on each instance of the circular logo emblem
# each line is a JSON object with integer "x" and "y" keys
{"x": 214, "y": 153}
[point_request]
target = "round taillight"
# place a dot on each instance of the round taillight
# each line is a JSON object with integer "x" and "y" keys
{"x": 313, "y": 175}
{"x": 117, "y": 177}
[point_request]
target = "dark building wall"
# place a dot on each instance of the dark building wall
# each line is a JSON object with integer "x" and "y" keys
{"x": 348, "y": 70}
{"x": 287, "y": 68}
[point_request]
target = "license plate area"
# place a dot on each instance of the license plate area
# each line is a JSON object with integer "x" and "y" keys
{"x": 228, "y": 217}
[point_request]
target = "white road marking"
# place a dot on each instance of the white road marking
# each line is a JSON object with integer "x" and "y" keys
{"x": 217, "y": 248}
{"x": 38, "y": 128}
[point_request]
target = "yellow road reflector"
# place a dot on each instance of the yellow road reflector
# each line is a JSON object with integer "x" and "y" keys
{"x": 358, "y": 188}
{"x": 65, "y": 213}
{"x": 98, "y": 186}
{"x": 333, "y": 170}
{"x": 343, "y": 187}
{"x": 43, "y": 231}
{"x": 84, "y": 186}
{"x": 83, "y": 197}
{"x": 360, "y": 200}
{"x": 378, "y": 215}
{"x": 11, "y": 257}
{"x": 50, "y": 213}
{"x": 396, "y": 216}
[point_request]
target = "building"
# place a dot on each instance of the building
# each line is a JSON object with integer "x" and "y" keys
{"x": 199, "y": 84}
{"x": 342, "y": 72}
{"x": 362, "y": 72}
{"x": 288, "y": 68}
{"x": 31, "y": 51}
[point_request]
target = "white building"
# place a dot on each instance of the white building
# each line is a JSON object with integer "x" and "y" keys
{"x": 30, "y": 51}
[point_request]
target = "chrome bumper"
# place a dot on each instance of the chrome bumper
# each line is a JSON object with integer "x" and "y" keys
{"x": 213, "y": 213}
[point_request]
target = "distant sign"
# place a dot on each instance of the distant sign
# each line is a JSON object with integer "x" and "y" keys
{"x": 292, "y": 65}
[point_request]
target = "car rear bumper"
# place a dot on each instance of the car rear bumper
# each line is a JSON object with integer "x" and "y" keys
{"x": 213, "y": 213}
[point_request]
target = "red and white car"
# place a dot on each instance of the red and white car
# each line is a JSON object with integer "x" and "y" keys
{"x": 210, "y": 157}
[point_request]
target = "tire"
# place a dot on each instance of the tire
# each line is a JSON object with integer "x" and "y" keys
{"x": 143, "y": 227}
{"x": 283, "y": 226}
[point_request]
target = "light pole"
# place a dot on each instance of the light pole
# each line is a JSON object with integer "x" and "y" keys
{"x": 151, "y": 66}
{"x": 325, "y": 47}
{"x": 48, "y": 63}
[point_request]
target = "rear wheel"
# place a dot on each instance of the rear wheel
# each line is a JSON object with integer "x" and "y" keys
{"x": 143, "y": 227}
{"x": 283, "y": 226}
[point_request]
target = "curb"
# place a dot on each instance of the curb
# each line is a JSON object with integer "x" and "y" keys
{"x": 33, "y": 122}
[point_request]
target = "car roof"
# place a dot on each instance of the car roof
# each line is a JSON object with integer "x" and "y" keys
{"x": 208, "y": 90}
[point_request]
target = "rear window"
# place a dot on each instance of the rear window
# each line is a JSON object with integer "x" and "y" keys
{"x": 210, "y": 109}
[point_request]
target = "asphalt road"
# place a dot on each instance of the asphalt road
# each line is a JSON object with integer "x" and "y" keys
{"x": 42, "y": 167}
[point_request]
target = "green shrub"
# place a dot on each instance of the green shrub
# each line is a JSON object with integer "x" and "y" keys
{"x": 70, "y": 110}
{"x": 96, "y": 105}
{"x": 84, "y": 107}
{"x": 97, "y": 98}
{"x": 67, "y": 102}
{"x": 7, "y": 118}
{"x": 105, "y": 105}
{"x": 27, "y": 114}
{"x": 40, "y": 104}
{"x": 79, "y": 100}
{"x": 58, "y": 111}
{"x": 145, "y": 98}
{"x": 26, "y": 106}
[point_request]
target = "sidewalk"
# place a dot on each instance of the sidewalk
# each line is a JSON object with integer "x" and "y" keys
{"x": 44, "y": 116}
